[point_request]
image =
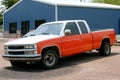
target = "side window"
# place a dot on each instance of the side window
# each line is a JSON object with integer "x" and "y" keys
{"x": 12, "y": 27}
{"x": 83, "y": 27}
{"x": 73, "y": 27}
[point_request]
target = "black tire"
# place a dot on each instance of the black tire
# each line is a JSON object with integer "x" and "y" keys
{"x": 105, "y": 49}
{"x": 17, "y": 63}
{"x": 50, "y": 59}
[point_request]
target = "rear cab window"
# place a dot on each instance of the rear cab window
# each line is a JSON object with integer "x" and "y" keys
{"x": 83, "y": 27}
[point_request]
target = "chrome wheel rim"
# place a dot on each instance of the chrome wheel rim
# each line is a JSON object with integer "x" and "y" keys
{"x": 107, "y": 49}
{"x": 50, "y": 59}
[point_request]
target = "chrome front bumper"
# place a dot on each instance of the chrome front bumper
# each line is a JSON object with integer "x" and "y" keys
{"x": 22, "y": 57}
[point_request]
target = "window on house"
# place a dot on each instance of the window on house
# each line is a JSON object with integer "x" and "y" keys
{"x": 12, "y": 27}
{"x": 39, "y": 22}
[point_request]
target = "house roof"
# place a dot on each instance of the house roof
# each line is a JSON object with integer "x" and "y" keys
{"x": 77, "y": 3}
{"x": 74, "y": 3}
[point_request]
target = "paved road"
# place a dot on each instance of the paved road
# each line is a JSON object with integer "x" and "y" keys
{"x": 88, "y": 66}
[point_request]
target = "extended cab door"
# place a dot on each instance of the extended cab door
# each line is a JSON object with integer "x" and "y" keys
{"x": 86, "y": 36}
{"x": 71, "y": 43}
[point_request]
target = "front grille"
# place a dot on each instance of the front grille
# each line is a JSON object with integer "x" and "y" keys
{"x": 18, "y": 50}
{"x": 15, "y": 47}
{"x": 17, "y": 53}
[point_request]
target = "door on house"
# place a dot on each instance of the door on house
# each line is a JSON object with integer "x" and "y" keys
{"x": 24, "y": 27}
{"x": 39, "y": 22}
{"x": 119, "y": 27}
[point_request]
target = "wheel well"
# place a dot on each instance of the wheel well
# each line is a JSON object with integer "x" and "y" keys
{"x": 106, "y": 40}
{"x": 51, "y": 48}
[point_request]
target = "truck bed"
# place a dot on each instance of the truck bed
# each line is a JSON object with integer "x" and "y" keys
{"x": 99, "y": 35}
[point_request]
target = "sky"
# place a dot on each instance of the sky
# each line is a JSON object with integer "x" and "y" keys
{"x": 81, "y": 0}
{"x": 0, "y": 0}
{"x": 0, "y": 3}
{"x": 1, "y": 6}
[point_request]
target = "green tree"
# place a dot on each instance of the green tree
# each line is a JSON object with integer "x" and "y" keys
{"x": 9, "y": 3}
{"x": 115, "y": 2}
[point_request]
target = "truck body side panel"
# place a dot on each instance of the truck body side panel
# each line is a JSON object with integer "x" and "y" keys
{"x": 87, "y": 42}
{"x": 71, "y": 45}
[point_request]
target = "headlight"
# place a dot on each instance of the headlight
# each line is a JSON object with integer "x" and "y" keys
{"x": 29, "y": 47}
{"x": 6, "y": 52}
{"x": 5, "y": 49}
{"x": 32, "y": 49}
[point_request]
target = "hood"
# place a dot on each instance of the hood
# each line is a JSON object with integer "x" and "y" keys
{"x": 31, "y": 40}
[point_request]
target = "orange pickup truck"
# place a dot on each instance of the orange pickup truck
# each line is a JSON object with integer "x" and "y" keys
{"x": 54, "y": 40}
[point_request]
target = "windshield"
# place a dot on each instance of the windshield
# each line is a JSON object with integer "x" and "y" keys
{"x": 53, "y": 29}
{"x": 47, "y": 29}
{"x": 31, "y": 33}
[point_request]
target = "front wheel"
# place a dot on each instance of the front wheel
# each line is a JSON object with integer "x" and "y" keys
{"x": 105, "y": 49}
{"x": 50, "y": 59}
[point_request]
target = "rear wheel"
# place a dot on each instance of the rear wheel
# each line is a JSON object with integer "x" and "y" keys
{"x": 105, "y": 49}
{"x": 50, "y": 59}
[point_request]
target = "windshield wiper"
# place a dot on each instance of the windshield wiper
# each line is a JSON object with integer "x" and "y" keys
{"x": 32, "y": 35}
{"x": 45, "y": 33}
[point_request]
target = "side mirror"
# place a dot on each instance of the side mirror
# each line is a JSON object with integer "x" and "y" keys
{"x": 67, "y": 32}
